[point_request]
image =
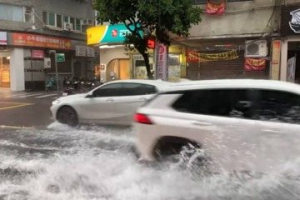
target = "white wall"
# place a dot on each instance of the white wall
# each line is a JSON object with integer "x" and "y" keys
{"x": 17, "y": 82}
{"x": 240, "y": 18}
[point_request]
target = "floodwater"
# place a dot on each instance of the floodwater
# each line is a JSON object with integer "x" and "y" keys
{"x": 94, "y": 163}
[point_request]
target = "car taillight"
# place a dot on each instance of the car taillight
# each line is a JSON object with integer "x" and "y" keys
{"x": 141, "y": 118}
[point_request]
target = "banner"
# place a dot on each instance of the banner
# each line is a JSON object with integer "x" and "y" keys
{"x": 215, "y": 8}
{"x": 33, "y": 40}
{"x": 275, "y": 64}
{"x": 161, "y": 51}
{"x": 193, "y": 56}
{"x": 291, "y": 69}
{"x": 255, "y": 64}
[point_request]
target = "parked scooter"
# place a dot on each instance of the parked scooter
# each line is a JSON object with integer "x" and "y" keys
{"x": 51, "y": 85}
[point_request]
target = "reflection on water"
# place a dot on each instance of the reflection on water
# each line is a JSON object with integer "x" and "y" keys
{"x": 63, "y": 163}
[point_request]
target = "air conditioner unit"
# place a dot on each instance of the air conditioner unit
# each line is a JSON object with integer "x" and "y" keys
{"x": 68, "y": 26}
{"x": 256, "y": 48}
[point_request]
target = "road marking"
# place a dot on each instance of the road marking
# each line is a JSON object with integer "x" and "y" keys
{"x": 44, "y": 96}
{"x": 15, "y": 127}
{"x": 15, "y": 106}
{"x": 30, "y": 95}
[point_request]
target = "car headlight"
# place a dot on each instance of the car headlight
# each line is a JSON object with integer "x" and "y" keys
{"x": 55, "y": 102}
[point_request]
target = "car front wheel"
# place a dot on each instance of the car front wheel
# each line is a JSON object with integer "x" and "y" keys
{"x": 67, "y": 115}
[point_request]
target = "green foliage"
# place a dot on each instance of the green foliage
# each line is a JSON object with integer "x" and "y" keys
{"x": 158, "y": 17}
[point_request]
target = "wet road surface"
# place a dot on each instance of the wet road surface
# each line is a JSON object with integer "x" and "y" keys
{"x": 63, "y": 163}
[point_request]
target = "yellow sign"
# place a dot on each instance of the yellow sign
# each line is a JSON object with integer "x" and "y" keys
{"x": 95, "y": 34}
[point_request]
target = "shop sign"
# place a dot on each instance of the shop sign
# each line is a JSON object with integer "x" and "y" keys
{"x": 60, "y": 57}
{"x": 33, "y": 40}
{"x": 290, "y": 20}
{"x": 161, "y": 61}
{"x": 255, "y": 64}
{"x": 37, "y": 54}
{"x": 3, "y": 38}
{"x": 107, "y": 34}
{"x": 275, "y": 62}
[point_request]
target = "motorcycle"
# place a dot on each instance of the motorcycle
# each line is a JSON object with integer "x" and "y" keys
{"x": 51, "y": 84}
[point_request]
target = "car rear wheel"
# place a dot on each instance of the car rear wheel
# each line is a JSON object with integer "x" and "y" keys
{"x": 67, "y": 115}
{"x": 180, "y": 151}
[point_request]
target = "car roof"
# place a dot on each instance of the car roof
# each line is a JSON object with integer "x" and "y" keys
{"x": 234, "y": 84}
{"x": 161, "y": 85}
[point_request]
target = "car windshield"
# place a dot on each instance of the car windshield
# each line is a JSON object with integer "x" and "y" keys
{"x": 149, "y": 99}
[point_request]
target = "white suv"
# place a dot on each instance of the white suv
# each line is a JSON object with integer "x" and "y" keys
{"x": 240, "y": 124}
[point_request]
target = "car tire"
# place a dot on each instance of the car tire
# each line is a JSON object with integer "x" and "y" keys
{"x": 181, "y": 152}
{"x": 67, "y": 115}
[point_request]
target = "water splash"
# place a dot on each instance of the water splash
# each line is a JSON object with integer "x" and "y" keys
{"x": 99, "y": 163}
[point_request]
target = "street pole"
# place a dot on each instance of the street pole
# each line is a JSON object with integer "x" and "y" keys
{"x": 56, "y": 70}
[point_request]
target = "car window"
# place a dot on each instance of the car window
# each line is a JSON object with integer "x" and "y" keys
{"x": 147, "y": 89}
{"x": 252, "y": 104}
{"x": 279, "y": 106}
{"x": 206, "y": 102}
{"x": 114, "y": 89}
{"x": 131, "y": 89}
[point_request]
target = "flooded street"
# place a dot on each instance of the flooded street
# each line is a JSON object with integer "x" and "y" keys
{"x": 63, "y": 163}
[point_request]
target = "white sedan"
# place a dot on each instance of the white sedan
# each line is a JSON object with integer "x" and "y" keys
{"x": 113, "y": 103}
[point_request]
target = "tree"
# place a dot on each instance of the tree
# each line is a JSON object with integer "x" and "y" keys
{"x": 158, "y": 17}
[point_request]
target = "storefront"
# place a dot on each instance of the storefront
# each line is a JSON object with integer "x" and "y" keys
{"x": 290, "y": 50}
{"x": 118, "y": 61}
{"x": 28, "y": 60}
{"x": 228, "y": 58}
{"x": 4, "y": 61}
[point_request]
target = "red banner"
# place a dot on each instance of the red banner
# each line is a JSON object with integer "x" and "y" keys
{"x": 255, "y": 64}
{"x": 214, "y": 8}
{"x": 33, "y": 40}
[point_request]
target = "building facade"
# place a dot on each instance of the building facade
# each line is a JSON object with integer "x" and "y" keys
{"x": 34, "y": 32}
{"x": 236, "y": 43}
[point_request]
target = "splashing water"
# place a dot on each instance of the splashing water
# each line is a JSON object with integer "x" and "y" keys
{"x": 65, "y": 163}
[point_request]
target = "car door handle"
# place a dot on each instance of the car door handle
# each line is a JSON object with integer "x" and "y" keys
{"x": 201, "y": 123}
{"x": 142, "y": 99}
{"x": 109, "y": 100}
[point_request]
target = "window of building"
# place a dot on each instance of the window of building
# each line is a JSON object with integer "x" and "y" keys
{"x": 51, "y": 19}
{"x": 59, "y": 21}
{"x": 77, "y": 25}
{"x": 72, "y": 21}
{"x": 28, "y": 14}
{"x": 67, "y": 19}
{"x": 45, "y": 17}
{"x": 16, "y": 13}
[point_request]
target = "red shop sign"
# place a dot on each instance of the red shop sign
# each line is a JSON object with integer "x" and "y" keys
{"x": 37, "y": 54}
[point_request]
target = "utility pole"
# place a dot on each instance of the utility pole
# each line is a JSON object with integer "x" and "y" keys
{"x": 56, "y": 71}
